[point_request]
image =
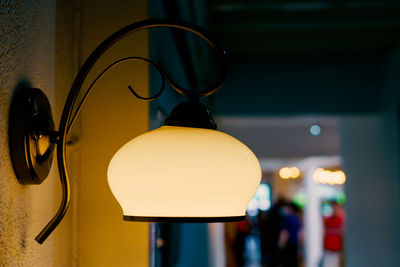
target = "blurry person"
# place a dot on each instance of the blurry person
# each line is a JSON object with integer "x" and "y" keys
{"x": 269, "y": 225}
{"x": 333, "y": 232}
{"x": 264, "y": 227}
{"x": 235, "y": 237}
{"x": 230, "y": 236}
{"x": 288, "y": 240}
{"x": 243, "y": 229}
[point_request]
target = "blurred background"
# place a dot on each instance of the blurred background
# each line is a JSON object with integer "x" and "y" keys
{"x": 312, "y": 88}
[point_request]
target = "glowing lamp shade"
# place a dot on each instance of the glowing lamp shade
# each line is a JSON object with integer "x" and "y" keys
{"x": 183, "y": 172}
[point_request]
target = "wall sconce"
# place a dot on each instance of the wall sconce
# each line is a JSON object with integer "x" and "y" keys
{"x": 201, "y": 175}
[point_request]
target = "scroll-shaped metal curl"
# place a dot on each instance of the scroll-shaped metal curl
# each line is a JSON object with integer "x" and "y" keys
{"x": 67, "y": 118}
{"x": 111, "y": 66}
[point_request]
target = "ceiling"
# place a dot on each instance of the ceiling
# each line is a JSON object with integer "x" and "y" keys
{"x": 298, "y": 30}
{"x": 284, "y": 137}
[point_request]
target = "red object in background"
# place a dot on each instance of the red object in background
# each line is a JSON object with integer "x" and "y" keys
{"x": 333, "y": 233}
{"x": 243, "y": 226}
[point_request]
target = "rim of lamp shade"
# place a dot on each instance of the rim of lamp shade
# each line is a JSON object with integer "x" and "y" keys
{"x": 184, "y": 219}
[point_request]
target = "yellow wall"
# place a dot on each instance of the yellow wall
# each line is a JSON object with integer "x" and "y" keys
{"x": 65, "y": 67}
{"x": 111, "y": 117}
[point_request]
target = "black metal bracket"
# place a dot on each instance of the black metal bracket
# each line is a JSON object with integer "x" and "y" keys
{"x": 31, "y": 136}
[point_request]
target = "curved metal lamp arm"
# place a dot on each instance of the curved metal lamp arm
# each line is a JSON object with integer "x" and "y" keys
{"x": 66, "y": 122}
{"x": 116, "y": 63}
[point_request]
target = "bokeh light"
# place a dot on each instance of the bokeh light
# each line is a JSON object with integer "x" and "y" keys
{"x": 315, "y": 129}
{"x": 323, "y": 176}
{"x": 261, "y": 200}
{"x": 289, "y": 172}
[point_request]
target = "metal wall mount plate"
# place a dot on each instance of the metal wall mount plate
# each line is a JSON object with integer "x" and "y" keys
{"x": 31, "y": 135}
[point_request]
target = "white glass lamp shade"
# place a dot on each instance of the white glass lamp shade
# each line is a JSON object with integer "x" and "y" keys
{"x": 183, "y": 174}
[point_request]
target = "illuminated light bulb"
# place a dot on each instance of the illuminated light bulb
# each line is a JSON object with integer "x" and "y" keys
{"x": 285, "y": 173}
{"x": 329, "y": 177}
{"x": 294, "y": 172}
{"x": 317, "y": 175}
{"x": 289, "y": 172}
{"x": 184, "y": 172}
{"x": 341, "y": 177}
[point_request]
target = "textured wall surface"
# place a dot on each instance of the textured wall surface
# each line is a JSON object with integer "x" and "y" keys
{"x": 27, "y": 53}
